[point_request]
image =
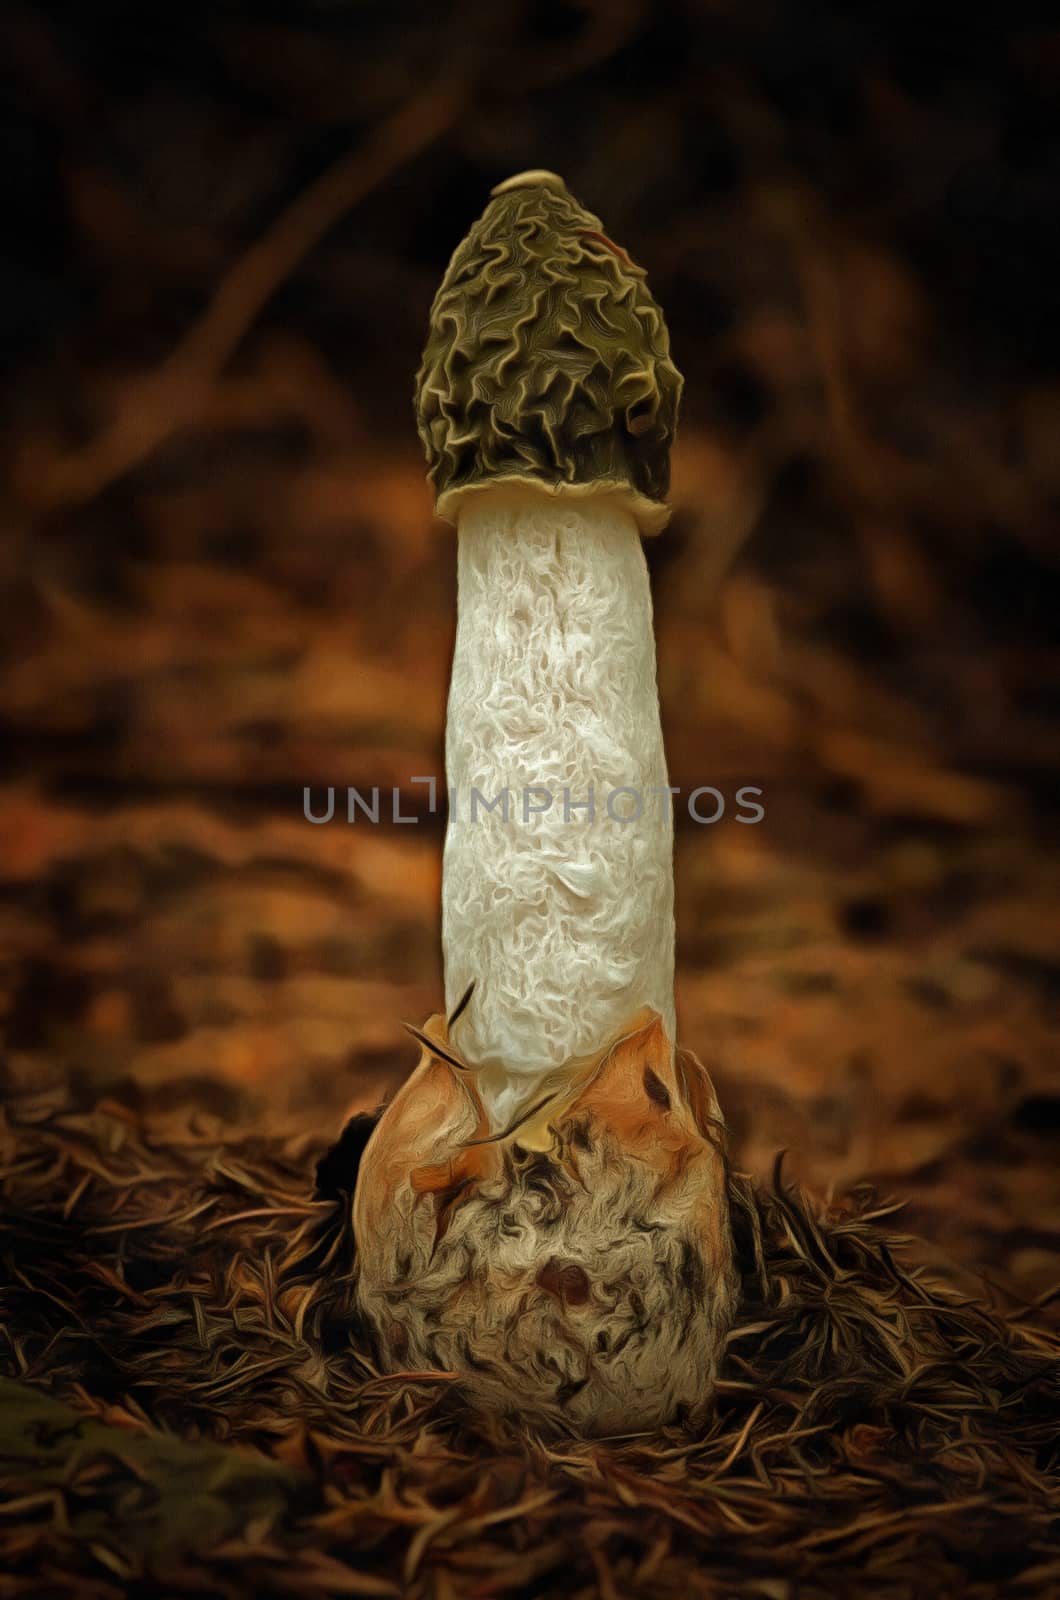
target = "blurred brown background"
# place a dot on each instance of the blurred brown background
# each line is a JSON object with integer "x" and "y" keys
{"x": 223, "y": 226}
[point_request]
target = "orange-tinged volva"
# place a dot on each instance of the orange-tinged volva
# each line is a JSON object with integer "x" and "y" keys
{"x": 576, "y": 1268}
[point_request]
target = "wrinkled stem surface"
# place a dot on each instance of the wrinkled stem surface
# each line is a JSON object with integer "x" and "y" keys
{"x": 562, "y": 916}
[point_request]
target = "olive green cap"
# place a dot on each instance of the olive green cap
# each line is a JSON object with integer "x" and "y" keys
{"x": 547, "y": 361}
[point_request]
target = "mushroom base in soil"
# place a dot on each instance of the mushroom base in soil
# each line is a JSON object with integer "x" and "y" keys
{"x": 541, "y": 1208}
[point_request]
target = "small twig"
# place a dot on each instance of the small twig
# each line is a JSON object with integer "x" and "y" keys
{"x": 172, "y": 395}
{"x": 739, "y": 1442}
{"x": 461, "y": 1005}
{"x": 435, "y": 1049}
{"x": 271, "y": 1211}
{"x": 524, "y": 1116}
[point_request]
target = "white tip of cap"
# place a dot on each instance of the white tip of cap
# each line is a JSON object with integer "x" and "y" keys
{"x": 530, "y": 180}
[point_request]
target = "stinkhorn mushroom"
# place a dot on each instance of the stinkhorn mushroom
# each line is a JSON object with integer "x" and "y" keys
{"x": 542, "y": 1206}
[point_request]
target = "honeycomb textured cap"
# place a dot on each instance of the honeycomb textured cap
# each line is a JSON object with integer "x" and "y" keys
{"x": 547, "y": 359}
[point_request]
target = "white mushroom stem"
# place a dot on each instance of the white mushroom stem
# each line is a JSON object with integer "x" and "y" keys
{"x": 564, "y": 921}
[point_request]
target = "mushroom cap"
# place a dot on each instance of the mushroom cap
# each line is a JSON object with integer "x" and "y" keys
{"x": 547, "y": 361}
